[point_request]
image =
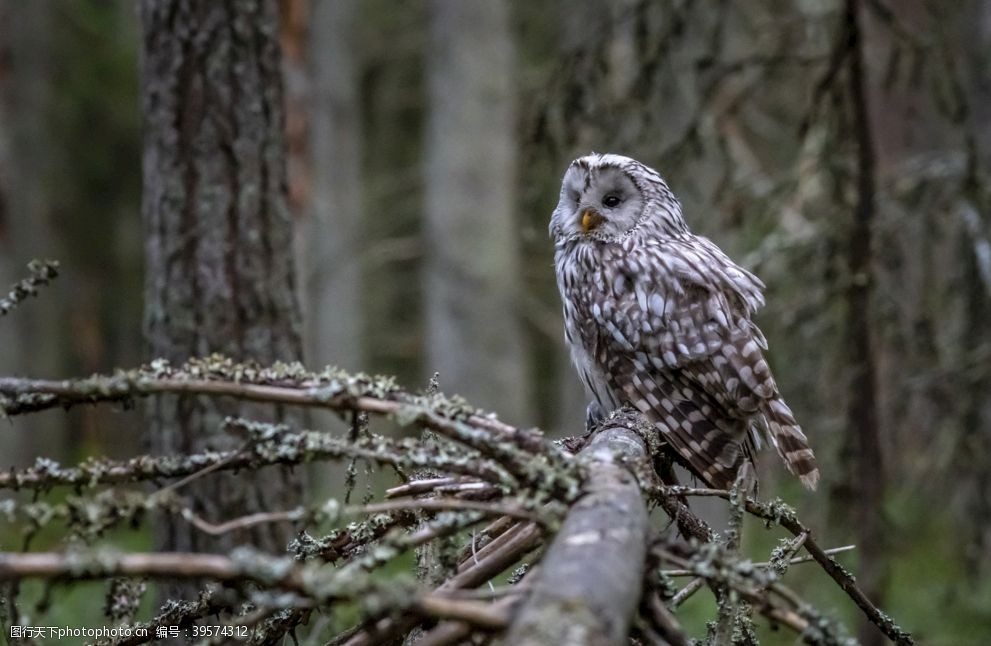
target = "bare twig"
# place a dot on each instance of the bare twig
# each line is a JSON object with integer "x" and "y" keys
{"x": 486, "y": 536}
{"x": 455, "y": 632}
{"x": 693, "y": 586}
{"x": 243, "y": 522}
{"x": 476, "y": 613}
{"x": 756, "y": 596}
{"x": 777, "y": 512}
{"x": 293, "y": 448}
{"x": 768, "y": 564}
{"x": 196, "y": 475}
{"x": 497, "y": 559}
{"x": 524, "y": 539}
{"x": 667, "y": 625}
{"x": 449, "y": 504}
{"x": 687, "y": 521}
{"x": 417, "y": 487}
{"x": 838, "y": 573}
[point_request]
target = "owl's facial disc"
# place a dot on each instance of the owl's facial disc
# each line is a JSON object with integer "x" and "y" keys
{"x": 610, "y": 203}
{"x": 600, "y": 202}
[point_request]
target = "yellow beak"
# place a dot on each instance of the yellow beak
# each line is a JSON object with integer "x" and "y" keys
{"x": 591, "y": 219}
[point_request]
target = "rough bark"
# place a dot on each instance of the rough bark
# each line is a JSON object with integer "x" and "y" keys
{"x": 474, "y": 336}
{"x": 589, "y": 582}
{"x": 219, "y": 261}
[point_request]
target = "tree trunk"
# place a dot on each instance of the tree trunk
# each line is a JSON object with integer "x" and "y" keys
{"x": 861, "y": 451}
{"x": 30, "y": 337}
{"x": 219, "y": 258}
{"x": 474, "y": 336}
{"x": 974, "y": 479}
{"x": 333, "y": 275}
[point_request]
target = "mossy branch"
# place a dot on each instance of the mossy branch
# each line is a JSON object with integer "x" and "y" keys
{"x": 473, "y": 467}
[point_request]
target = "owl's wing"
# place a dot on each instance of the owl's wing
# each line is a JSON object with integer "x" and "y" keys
{"x": 681, "y": 310}
{"x": 678, "y": 300}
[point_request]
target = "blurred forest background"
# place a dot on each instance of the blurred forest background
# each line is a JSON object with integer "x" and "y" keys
{"x": 426, "y": 142}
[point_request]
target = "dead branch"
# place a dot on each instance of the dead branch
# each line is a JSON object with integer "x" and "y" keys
{"x": 96, "y": 565}
{"x": 451, "y": 504}
{"x": 586, "y": 588}
{"x": 693, "y": 586}
{"x": 793, "y": 613}
{"x": 291, "y": 384}
{"x": 590, "y": 578}
{"x": 664, "y": 621}
{"x": 283, "y": 448}
{"x": 455, "y": 632}
{"x": 781, "y": 514}
{"x": 770, "y": 564}
{"x": 520, "y": 540}
{"x": 305, "y": 580}
{"x": 729, "y": 608}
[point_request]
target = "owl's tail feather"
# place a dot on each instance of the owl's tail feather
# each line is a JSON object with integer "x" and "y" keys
{"x": 790, "y": 441}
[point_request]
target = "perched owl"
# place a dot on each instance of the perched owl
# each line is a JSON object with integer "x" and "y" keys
{"x": 660, "y": 319}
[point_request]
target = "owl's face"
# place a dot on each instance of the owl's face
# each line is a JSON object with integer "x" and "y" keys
{"x": 597, "y": 201}
{"x": 608, "y": 197}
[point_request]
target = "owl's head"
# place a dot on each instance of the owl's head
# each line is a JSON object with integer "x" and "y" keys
{"x": 610, "y": 197}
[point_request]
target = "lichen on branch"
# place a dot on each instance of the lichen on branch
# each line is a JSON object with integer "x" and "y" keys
{"x": 42, "y": 273}
{"x": 466, "y": 468}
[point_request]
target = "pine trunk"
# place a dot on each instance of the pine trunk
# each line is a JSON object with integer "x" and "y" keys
{"x": 219, "y": 275}
{"x": 474, "y": 337}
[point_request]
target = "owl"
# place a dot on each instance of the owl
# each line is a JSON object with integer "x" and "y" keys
{"x": 660, "y": 319}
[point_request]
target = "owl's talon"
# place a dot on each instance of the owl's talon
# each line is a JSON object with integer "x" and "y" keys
{"x": 594, "y": 415}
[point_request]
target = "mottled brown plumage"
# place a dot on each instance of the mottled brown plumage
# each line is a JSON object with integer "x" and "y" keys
{"x": 660, "y": 319}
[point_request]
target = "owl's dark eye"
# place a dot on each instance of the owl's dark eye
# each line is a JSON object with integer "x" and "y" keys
{"x": 611, "y": 201}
